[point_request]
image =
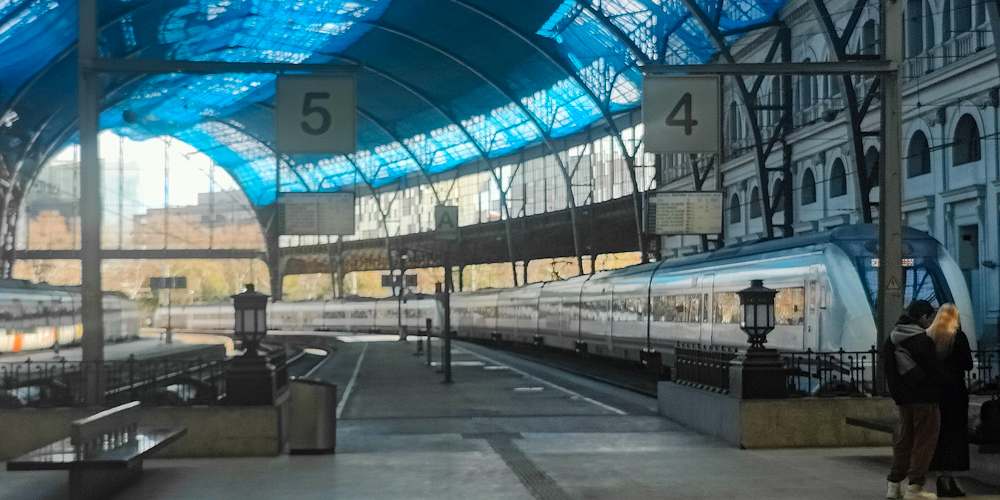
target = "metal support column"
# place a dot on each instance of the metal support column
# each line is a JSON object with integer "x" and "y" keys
{"x": 446, "y": 326}
{"x": 88, "y": 95}
{"x": 890, "y": 269}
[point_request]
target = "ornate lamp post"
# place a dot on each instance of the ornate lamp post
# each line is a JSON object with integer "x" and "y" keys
{"x": 758, "y": 312}
{"x": 759, "y": 373}
{"x": 251, "y": 319}
{"x": 250, "y": 379}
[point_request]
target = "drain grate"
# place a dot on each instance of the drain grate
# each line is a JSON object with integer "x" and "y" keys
{"x": 537, "y": 482}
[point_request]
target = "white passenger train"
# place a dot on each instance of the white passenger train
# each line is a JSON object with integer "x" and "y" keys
{"x": 826, "y": 282}
{"x": 36, "y": 316}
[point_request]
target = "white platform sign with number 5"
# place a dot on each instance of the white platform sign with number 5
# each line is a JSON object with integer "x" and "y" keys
{"x": 681, "y": 114}
{"x": 315, "y": 114}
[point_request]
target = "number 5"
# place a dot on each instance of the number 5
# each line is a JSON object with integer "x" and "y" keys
{"x": 308, "y": 109}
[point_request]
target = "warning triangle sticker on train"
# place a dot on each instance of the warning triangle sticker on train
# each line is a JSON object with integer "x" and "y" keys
{"x": 892, "y": 284}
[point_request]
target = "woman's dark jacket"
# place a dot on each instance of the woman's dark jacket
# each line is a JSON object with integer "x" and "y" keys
{"x": 952, "y": 453}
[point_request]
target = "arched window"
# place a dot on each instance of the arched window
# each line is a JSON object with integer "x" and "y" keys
{"x": 928, "y": 26}
{"x": 805, "y": 90}
{"x": 962, "y": 16}
{"x": 776, "y": 194}
{"x": 918, "y": 156}
{"x": 966, "y": 144}
{"x": 734, "y": 209}
{"x": 734, "y": 125}
{"x": 915, "y": 27}
{"x": 871, "y": 161}
{"x": 946, "y": 21}
{"x": 869, "y": 40}
{"x": 808, "y": 187}
{"x": 755, "y": 203}
{"x": 838, "y": 179}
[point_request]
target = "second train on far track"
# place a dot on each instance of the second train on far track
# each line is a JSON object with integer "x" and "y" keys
{"x": 826, "y": 282}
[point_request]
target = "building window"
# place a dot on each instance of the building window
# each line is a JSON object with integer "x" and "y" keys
{"x": 869, "y": 38}
{"x": 734, "y": 209}
{"x": 734, "y": 124}
{"x": 915, "y": 27}
{"x": 962, "y": 16}
{"x": 755, "y": 203}
{"x": 871, "y": 162}
{"x": 918, "y": 156}
{"x": 808, "y": 187}
{"x": 838, "y": 179}
{"x": 966, "y": 143}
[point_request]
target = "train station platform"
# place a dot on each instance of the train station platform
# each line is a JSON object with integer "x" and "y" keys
{"x": 150, "y": 344}
{"x": 507, "y": 428}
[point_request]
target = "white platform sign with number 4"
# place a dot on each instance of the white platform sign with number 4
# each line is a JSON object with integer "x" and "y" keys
{"x": 315, "y": 114}
{"x": 681, "y": 114}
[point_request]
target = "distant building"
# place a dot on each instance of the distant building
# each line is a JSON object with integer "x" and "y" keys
{"x": 224, "y": 208}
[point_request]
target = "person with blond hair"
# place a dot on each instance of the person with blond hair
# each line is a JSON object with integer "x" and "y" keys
{"x": 952, "y": 453}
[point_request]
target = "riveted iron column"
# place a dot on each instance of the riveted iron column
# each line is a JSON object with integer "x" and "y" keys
{"x": 890, "y": 251}
{"x": 88, "y": 95}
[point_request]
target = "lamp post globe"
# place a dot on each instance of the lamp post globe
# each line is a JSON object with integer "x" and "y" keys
{"x": 251, "y": 318}
{"x": 757, "y": 303}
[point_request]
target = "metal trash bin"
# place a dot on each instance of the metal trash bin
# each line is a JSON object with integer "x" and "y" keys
{"x": 313, "y": 426}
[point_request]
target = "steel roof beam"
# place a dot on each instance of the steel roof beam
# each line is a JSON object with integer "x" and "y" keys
{"x": 164, "y": 66}
{"x": 546, "y": 138}
{"x": 409, "y": 152}
{"x": 616, "y": 32}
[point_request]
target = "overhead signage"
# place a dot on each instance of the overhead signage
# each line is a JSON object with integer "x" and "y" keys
{"x": 168, "y": 282}
{"x": 392, "y": 280}
{"x": 315, "y": 114}
{"x": 446, "y": 223}
{"x": 681, "y": 114}
{"x": 316, "y": 213}
{"x": 674, "y": 213}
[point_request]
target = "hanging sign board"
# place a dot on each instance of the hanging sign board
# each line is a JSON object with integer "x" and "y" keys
{"x": 168, "y": 282}
{"x": 446, "y": 223}
{"x": 316, "y": 213}
{"x": 681, "y": 114}
{"x": 676, "y": 213}
{"x": 315, "y": 114}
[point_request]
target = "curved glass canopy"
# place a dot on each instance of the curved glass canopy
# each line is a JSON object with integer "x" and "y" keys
{"x": 440, "y": 82}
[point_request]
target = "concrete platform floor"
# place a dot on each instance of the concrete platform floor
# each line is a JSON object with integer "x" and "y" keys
{"x": 507, "y": 428}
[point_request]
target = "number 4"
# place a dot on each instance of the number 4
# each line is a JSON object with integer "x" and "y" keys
{"x": 687, "y": 122}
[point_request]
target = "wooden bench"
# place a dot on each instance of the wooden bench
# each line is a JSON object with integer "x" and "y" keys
{"x": 103, "y": 453}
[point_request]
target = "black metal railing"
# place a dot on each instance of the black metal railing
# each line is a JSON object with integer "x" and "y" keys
{"x": 704, "y": 366}
{"x": 839, "y": 373}
{"x": 816, "y": 374}
{"x": 162, "y": 381}
{"x": 985, "y": 375}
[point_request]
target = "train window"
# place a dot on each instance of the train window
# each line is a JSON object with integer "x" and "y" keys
{"x": 727, "y": 307}
{"x": 920, "y": 281}
{"x": 704, "y": 308}
{"x": 789, "y": 305}
{"x": 335, "y": 314}
{"x": 359, "y": 313}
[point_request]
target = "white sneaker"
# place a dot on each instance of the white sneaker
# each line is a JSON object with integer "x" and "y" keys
{"x": 916, "y": 492}
{"x": 895, "y": 491}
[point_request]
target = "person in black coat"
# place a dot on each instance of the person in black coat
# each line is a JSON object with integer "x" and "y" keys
{"x": 952, "y": 453}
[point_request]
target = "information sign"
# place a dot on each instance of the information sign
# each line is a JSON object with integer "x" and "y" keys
{"x": 168, "y": 283}
{"x": 315, "y": 114}
{"x": 446, "y": 223}
{"x": 316, "y": 213}
{"x": 685, "y": 213}
{"x": 681, "y": 114}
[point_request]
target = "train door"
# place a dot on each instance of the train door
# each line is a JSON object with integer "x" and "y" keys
{"x": 707, "y": 307}
{"x": 814, "y": 298}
